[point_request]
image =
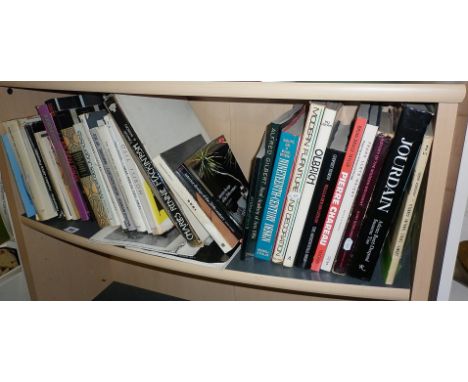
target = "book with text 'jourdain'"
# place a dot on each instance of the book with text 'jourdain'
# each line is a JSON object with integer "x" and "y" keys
{"x": 215, "y": 168}
{"x": 263, "y": 164}
{"x": 168, "y": 163}
{"x": 318, "y": 150}
{"x": 376, "y": 159}
{"x": 284, "y": 162}
{"x": 399, "y": 235}
{"x": 341, "y": 186}
{"x": 390, "y": 188}
{"x": 149, "y": 126}
{"x": 295, "y": 188}
{"x": 355, "y": 178}
{"x": 325, "y": 183}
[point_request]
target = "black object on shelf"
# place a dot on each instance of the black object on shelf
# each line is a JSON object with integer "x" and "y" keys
{"x": 123, "y": 292}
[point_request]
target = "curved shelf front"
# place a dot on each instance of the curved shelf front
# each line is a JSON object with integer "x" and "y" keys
{"x": 245, "y": 273}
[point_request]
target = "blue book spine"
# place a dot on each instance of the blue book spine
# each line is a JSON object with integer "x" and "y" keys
{"x": 28, "y": 205}
{"x": 282, "y": 168}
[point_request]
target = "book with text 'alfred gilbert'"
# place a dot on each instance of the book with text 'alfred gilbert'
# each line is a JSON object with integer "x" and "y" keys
{"x": 341, "y": 185}
{"x": 284, "y": 162}
{"x": 389, "y": 190}
{"x": 260, "y": 178}
{"x": 325, "y": 182}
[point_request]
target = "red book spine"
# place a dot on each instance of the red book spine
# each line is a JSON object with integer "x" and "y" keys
{"x": 340, "y": 188}
{"x": 376, "y": 160}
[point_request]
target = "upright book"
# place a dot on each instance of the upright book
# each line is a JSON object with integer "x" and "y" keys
{"x": 137, "y": 118}
{"x": 265, "y": 159}
{"x": 341, "y": 185}
{"x": 401, "y": 228}
{"x": 325, "y": 182}
{"x": 390, "y": 188}
{"x": 376, "y": 159}
{"x": 298, "y": 179}
{"x": 284, "y": 161}
{"x": 318, "y": 152}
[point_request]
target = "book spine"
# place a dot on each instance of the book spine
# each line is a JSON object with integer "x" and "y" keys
{"x": 66, "y": 201}
{"x": 248, "y": 245}
{"x": 327, "y": 179}
{"x": 70, "y": 173}
{"x": 349, "y": 196}
{"x": 201, "y": 195}
{"x": 406, "y": 212}
{"x": 28, "y": 205}
{"x": 95, "y": 178}
{"x": 340, "y": 189}
{"x": 296, "y": 185}
{"x": 276, "y": 195}
{"x": 116, "y": 191}
{"x": 377, "y": 157}
{"x": 184, "y": 195}
{"x": 310, "y": 185}
{"x": 271, "y": 147}
{"x": 43, "y": 169}
{"x": 389, "y": 191}
{"x": 150, "y": 173}
{"x": 164, "y": 224}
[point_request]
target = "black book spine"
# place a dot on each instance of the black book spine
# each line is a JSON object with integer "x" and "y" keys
{"x": 45, "y": 175}
{"x": 389, "y": 191}
{"x": 271, "y": 146}
{"x": 323, "y": 193}
{"x": 195, "y": 187}
{"x": 149, "y": 172}
{"x": 248, "y": 245}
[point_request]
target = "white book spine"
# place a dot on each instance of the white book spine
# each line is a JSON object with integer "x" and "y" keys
{"x": 99, "y": 135}
{"x": 323, "y": 138}
{"x": 96, "y": 175}
{"x": 117, "y": 216}
{"x": 359, "y": 166}
{"x": 120, "y": 176}
{"x": 297, "y": 180}
{"x": 60, "y": 188}
{"x": 132, "y": 194}
{"x": 189, "y": 201}
{"x": 406, "y": 212}
{"x": 31, "y": 172}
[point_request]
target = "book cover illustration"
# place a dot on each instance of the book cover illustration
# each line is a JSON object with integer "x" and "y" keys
{"x": 217, "y": 169}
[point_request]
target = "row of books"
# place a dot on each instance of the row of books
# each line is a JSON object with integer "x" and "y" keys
{"x": 142, "y": 167}
{"x": 333, "y": 184}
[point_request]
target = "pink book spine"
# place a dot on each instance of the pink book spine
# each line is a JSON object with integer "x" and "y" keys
{"x": 69, "y": 174}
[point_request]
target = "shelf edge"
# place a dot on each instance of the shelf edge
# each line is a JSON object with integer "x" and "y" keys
{"x": 226, "y": 275}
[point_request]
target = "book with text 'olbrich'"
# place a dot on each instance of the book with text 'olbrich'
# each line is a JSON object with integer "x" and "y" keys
{"x": 389, "y": 190}
{"x": 284, "y": 162}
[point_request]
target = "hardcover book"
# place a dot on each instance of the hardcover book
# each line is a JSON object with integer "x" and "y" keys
{"x": 341, "y": 185}
{"x": 298, "y": 178}
{"x": 265, "y": 157}
{"x": 401, "y": 228}
{"x": 137, "y": 119}
{"x": 217, "y": 170}
{"x": 318, "y": 152}
{"x": 284, "y": 161}
{"x": 389, "y": 190}
{"x": 326, "y": 181}
{"x": 376, "y": 160}
{"x": 351, "y": 190}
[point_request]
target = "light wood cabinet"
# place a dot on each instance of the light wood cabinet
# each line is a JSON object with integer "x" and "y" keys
{"x": 59, "y": 265}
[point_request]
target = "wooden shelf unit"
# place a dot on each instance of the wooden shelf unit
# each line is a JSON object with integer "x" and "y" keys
{"x": 59, "y": 265}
